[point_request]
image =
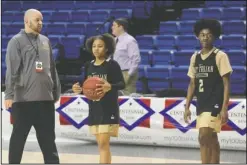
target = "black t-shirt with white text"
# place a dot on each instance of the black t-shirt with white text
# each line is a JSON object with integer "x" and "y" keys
{"x": 105, "y": 110}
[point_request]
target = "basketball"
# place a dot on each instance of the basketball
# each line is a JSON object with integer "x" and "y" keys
{"x": 89, "y": 88}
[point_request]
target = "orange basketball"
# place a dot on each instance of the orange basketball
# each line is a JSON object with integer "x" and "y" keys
{"x": 89, "y": 88}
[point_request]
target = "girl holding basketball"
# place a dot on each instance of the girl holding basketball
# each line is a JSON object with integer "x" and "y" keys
{"x": 103, "y": 119}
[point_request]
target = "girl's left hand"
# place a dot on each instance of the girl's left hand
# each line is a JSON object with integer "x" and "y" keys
{"x": 103, "y": 88}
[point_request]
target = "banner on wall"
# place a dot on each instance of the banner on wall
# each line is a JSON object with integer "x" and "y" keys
{"x": 150, "y": 121}
{"x": 136, "y": 112}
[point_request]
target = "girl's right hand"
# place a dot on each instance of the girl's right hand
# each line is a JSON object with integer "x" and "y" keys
{"x": 76, "y": 88}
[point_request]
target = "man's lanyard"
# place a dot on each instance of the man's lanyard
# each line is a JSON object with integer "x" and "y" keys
{"x": 37, "y": 50}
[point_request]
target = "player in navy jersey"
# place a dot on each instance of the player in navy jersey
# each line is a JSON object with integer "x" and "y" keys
{"x": 103, "y": 119}
{"x": 209, "y": 74}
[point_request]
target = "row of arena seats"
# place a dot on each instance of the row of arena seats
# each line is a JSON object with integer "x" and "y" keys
{"x": 231, "y": 13}
{"x": 160, "y": 57}
{"x": 89, "y": 28}
{"x": 223, "y": 14}
{"x": 77, "y": 5}
{"x": 182, "y": 42}
{"x": 70, "y": 16}
{"x": 49, "y": 6}
{"x": 186, "y": 27}
{"x": 62, "y": 29}
{"x": 225, "y": 3}
{"x": 177, "y": 58}
{"x": 159, "y": 43}
{"x": 172, "y": 77}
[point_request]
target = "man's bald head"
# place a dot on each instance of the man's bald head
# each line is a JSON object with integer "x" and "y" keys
{"x": 30, "y": 13}
{"x": 33, "y": 20}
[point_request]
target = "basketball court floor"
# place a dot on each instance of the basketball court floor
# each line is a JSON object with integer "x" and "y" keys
{"x": 74, "y": 151}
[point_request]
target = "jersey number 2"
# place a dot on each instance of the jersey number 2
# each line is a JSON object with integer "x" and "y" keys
{"x": 201, "y": 85}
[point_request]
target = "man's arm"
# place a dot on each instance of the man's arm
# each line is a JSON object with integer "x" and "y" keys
{"x": 134, "y": 55}
{"x": 13, "y": 64}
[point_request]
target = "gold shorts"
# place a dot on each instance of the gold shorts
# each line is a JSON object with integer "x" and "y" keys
{"x": 206, "y": 120}
{"x": 112, "y": 129}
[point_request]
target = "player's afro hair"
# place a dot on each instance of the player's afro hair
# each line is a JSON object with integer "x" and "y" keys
{"x": 213, "y": 25}
{"x": 108, "y": 39}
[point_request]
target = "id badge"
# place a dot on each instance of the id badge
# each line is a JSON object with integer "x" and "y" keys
{"x": 39, "y": 66}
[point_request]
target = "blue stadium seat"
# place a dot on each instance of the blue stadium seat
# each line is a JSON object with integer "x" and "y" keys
{"x": 98, "y": 15}
{"x": 238, "y": 80}
{"x": 182, "y": 57}
{"x": 162, "y": 57}
{"x": 61, "y": 16}
{"x": 11, "y": 6}
{"x": 30, "y": 5}
{"x": 141, "y": 9}
{"x": 122, "y": 4}
{"x": 169, "y": 28}
{"x": 233, "y": 42}
{"x": 55, "y": 54}
{"x": 233, "y": 13}
{"x": 15, "y": 28}
{"x": 84, "y": 5}
{"x": 212, "y": 13}
{"x": 234, "y": 27}
{"x": 3, "y": 55}
{"x": 187, "y": 42}
{"x": 237, "y": 57}
{"x": 7, "y": 16}
{"x": 72, "y": 45}
{"x": 121, "y": 13}
{"x": 158, "y": 77}
{"x": 244, "y": 11}
{"x": 78, "y": 28}
{"x": 91, "y": 28}
{"x": 5, "y": 41}
{"x": 46, "y": 16}
{"x": 79, "y": 16}
{"x": 141, "y": 75}
{"x": 191, "y": 14}
{"x": 186, "y": 27}
{"x": 179, "y": 77}
{"x": 235, "y": 3}
{"x": 214, "y": 3}
{"x": 46, "y": 6}
{"x": 64, "y": 5}
{"x": 102, "y": 5}
{"x": 165, "y": 42}
{"x": 5, "y": 26}
{"x": 145, "y": 41}
{"x": 146, "y": 57}
{"x": 56, "y": 29}
{"x": 18, "y": 17}
{"x": 54, "y": 39}
{"x": 217, "y": 42}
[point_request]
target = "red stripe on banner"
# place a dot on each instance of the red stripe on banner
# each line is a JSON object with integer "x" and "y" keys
{"x": 145, "y": 123}
{"x": 226, "y": 127}
{"x": 168, "y": 124}
{"x": 62, "y": 120}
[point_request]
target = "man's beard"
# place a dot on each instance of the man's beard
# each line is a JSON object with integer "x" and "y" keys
{"x": 36, "y": 29}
